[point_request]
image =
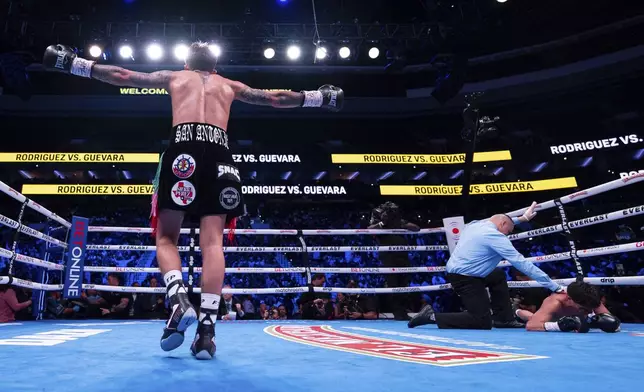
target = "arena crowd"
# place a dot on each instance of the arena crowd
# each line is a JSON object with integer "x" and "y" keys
{"x": 624, "y": 301}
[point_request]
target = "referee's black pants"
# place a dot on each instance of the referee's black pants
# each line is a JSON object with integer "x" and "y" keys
{"x": 476, "y": 301}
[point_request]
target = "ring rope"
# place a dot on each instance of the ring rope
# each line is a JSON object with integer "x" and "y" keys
{"x": 592, "y": 252}
{"x": 598, "y": 281}
{"x": 287, "y": 249}
{"x": 590, "y": 221}
{"x": 580, "y": 195}
{"x": 16, "y": 225}
{"x": 7, "y": 254}
{"x": 32, "y": 204}
{"x": 146, "y": 230}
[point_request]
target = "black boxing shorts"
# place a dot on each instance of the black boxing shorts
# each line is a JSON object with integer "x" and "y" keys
{"x": 197, "y": 175}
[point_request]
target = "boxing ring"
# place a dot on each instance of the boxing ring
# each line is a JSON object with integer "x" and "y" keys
{"x": 295, "y": 355}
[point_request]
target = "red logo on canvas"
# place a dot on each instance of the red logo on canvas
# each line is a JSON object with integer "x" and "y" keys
{"x": 327, "y": 337}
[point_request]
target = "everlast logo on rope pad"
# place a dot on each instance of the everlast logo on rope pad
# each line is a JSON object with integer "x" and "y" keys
{"x": 588, "y": 221}
{"x": 250, "y": 249}
{"x": 634, "y": 210}
{"x": 401, "y": 248}
{"x": 324, "y": 248}
{"x": 326, "y": 337}
{"x": 364, "y": 248}
{"x": 288, "y": 249}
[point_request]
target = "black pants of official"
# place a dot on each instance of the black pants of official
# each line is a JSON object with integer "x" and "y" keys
{"x": 477, "y": 303}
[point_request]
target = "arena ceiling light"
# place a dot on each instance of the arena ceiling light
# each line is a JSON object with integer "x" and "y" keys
{"x": 501, "y": 1}
{"x": 154, "y": 52}
{"x": 126, "y": 52}
{"x": 321, "y": 53}
{"x": 215, "y": 49}
{"x": 293, "y": 52}
{"x": 95, "y": 51}
{"x": 374, "y": 53}
{"x": 181, "y": 52}
{"x": 344, "y": 52}
{"x": 269, "y": 53}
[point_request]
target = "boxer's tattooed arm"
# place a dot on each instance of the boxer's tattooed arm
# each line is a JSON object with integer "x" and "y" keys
{"x": 277, "y": 99}
{"x": 124, "y": 77}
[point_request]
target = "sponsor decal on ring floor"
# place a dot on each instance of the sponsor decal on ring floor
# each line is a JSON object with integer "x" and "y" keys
{"x": 326, "y": 337}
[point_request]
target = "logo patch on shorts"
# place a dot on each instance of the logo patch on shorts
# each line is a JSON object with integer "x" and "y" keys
{"x": 183, "y": 166}
{"x": 228, "y": 172}
{"x": 229, "y": 198}
{"x": 183, "y": 193}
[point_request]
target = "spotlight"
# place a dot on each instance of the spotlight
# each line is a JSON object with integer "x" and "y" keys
{"x": 269, "y": 53}
{"x": 344, "y": 52}
{"x": 125, "y": 52}
{"x": 181, "y": 52}
{"x": 374, "y": 52}
{"x": 215, "y": 49}
{"x": 154, "y": 52}
{"x": 501, "y": 1}
{"x": 320, "y": 53}
{"x": 293, "y": 52}
{"x": 95, "y": 51}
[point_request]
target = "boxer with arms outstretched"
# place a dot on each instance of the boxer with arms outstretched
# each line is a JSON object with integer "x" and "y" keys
{"x": 196, "y": 175}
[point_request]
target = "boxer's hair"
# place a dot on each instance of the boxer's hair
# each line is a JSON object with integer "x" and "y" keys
{"x": 200, "y": 57}
{"x": 584, "y": 295}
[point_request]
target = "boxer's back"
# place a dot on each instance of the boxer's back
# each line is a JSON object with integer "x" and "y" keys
{"x": 199, "y": 97}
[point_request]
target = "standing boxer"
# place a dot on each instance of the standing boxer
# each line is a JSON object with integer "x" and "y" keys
{"x": 196, "y": 174}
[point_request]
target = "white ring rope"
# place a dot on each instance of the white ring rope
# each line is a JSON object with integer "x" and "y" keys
{"x": 30, "y": 232}
{"x": 601, "y": 281}
{"x": 592, "y": 252}
{"x": 32, "y": 204}
{"x": 593, "y": 220}
{"x": 7, "y": 254}
{"x": 279, "y": 249}
{"x": 147, "y": 230}
{"x": 580, "y": 195}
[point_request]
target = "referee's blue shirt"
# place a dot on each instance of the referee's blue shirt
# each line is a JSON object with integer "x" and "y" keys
{"x": 482, "y": 247}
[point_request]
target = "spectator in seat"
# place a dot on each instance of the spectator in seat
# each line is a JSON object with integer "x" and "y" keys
{"x": 282, "y": 313}
{"x": 230, "y": 308}
{"x": 249, "y": 308}
{"x": 117, "y": 304}
{"x": 9, "y": 304}
{"x": 263, "y": 311}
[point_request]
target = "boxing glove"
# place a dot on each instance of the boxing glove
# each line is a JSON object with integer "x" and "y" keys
{"x": 605, "y": 321}
{"x": 564, "y": 324}
{"x": 63, "y": 59}
{"x": 327, "y": 96}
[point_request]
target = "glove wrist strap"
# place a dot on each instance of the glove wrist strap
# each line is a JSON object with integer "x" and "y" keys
{"x": 82, "y": 67}
{"x": 551, "y": 327}
{"x": 312, "y": 99}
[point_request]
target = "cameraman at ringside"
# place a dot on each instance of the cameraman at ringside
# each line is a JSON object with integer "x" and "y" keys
{"x": 389, "y": 216}
{"x": 357, "y": 306}
{"x": 313, "y": 305}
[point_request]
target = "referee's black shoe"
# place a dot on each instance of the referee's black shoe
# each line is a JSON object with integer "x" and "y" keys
{"x": 424, "y": 317}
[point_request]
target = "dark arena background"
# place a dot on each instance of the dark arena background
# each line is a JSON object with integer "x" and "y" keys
{"x": 453, "y": 109}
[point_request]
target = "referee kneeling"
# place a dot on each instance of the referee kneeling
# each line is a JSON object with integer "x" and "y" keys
{"x": 472, "y": 267}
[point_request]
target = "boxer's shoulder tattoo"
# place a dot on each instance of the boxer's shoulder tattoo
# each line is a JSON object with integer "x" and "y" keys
{"x": 124, "y": 77}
